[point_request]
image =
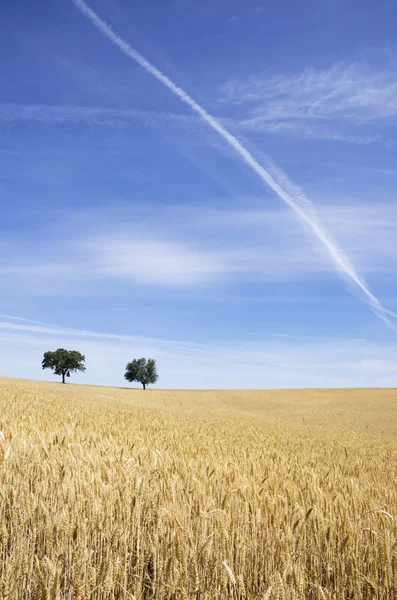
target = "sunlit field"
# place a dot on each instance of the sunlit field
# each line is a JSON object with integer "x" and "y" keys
{"x": 112, "y": 493}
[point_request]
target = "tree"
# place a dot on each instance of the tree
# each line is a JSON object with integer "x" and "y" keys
{"x": 63, "y": 362}
{"x": 142, "y": 370}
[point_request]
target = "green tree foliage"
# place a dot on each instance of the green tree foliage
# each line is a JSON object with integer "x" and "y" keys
{"x": 142, "y": 370}
{"x": 63, "y": 362}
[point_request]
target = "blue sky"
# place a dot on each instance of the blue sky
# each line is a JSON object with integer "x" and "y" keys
{"x": 250, "y": 245}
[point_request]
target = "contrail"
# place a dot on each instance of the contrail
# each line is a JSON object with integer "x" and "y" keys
{"x": 340, "y": 260}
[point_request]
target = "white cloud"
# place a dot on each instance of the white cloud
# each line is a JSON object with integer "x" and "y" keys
{"x": 317, "y": 103}
{"x": 346, "y": 91}
{"x": 150, "y": 261}
{"x": 181, "y": 247}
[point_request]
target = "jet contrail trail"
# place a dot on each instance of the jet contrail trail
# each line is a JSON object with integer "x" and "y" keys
{"x": 339, "y": 259}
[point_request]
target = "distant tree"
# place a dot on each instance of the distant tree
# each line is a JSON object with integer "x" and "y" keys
{"x": 63, "y": 362}
{"x": 142, "y": 370}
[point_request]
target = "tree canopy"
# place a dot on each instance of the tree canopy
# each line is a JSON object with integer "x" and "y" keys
{"x": 142, "y": 370}
{"x": 63, "y": 362}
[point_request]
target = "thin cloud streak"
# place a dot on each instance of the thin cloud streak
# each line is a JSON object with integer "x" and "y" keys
{"x": 40, "y": 327}
{"x": 36, "y": 327}
{"x": 93, "y": 115}
{"x": 340, "y": 261}
{"x": 3, "y": 316}
{"x": 295, "y": 128}
{"x": 48, "y": 114}
{"x": 250, "y": 358}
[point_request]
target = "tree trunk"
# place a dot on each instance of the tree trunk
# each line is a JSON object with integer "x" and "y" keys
{"x": 144, "y": 386}
{"x": 63, "y": 377}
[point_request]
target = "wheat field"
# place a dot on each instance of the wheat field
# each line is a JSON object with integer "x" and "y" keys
{"x": 112, "y": 493}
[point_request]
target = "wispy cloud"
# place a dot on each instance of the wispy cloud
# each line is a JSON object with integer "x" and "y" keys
{"x": 340, "y": 261}
{"x": 328, "y": 104}
{"x": 353, "y": 92}
{"x": 156, "y": 262}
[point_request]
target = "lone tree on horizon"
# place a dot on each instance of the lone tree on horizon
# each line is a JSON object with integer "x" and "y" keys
{"x": 63, "y": 362}
{"x": 142, "y": 370}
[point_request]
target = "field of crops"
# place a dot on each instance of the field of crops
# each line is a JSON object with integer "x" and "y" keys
{"x": 117, "y": 494}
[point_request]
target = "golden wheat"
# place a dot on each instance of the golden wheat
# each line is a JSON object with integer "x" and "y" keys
{"x": 118, "y": 494}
